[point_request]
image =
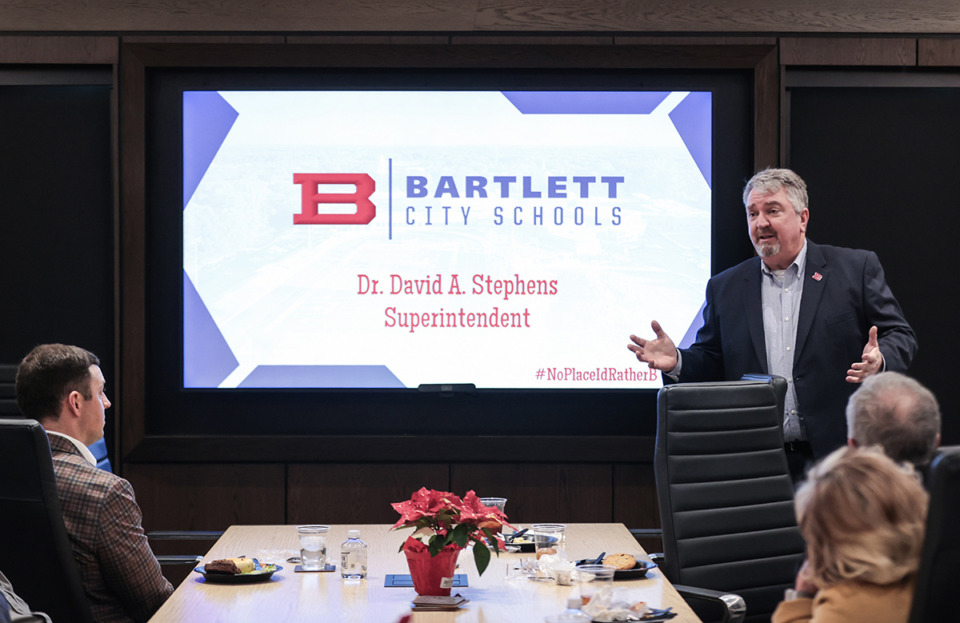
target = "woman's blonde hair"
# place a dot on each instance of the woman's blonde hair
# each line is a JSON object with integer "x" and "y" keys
{"x": 863, "y": 517}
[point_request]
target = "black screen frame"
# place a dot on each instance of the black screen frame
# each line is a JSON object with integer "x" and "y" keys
{"x": 383, "y": 418}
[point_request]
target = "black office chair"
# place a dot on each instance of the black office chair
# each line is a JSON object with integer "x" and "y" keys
{"x": 939, "y": 574}
{"x": 35, "y": 552}
{"x": 8, "y": 395}
{"x": 725, "y": 493}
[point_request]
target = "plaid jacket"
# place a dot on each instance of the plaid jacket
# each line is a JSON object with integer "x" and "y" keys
{"x": 119, "y": 571}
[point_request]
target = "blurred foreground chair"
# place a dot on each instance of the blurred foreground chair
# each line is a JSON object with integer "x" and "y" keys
{"x": 939, "y": 574}
{"x": 725, "y": 493}
{"x": 35, "y": 552}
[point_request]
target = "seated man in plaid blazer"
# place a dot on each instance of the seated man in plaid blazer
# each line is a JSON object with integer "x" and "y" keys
{"x": 62, "y": 387}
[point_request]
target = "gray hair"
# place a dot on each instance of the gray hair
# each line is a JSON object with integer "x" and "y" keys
{"x": 897, "y": 413}
{"x": 772, "y": 180}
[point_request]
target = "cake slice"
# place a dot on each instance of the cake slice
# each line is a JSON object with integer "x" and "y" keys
{"x": 230, "y": 566}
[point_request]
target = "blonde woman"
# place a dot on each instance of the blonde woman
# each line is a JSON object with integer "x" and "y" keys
{"x": 862, "y": 516}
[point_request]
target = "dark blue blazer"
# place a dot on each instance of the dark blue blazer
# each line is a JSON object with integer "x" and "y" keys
{"x": 844, "y": 294}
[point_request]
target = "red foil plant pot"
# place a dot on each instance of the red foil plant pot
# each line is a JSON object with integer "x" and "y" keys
{"x": 432, "y": 575}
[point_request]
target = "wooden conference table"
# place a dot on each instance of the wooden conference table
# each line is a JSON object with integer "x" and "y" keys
{"x": 291, "y": 596}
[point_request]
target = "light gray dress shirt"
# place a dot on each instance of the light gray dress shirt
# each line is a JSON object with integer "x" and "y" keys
{"x": 780, "y": 293}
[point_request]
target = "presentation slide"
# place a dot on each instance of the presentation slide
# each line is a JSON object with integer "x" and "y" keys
{"x": 392, "y": 239}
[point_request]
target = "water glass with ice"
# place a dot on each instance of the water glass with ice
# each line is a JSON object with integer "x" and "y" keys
{"x": 313, "y": 546}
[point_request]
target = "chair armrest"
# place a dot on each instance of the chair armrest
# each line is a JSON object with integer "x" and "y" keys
{"x": 170, "y": 559}
{"x": 732, "y": 605}
{"x": 649, "y": 538}
{"x": 646, "y": 533}
{"x": 172, "y": 540}
{"x": 185, "y": 535}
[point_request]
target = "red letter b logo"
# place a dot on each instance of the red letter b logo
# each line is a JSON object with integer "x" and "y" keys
{"x": 311, "y": 198}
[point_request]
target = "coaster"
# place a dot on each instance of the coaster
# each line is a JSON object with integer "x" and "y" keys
{"x": 403, "y": 580}
{"x": 326, "y": 569}
{"x": 438, "y": 603}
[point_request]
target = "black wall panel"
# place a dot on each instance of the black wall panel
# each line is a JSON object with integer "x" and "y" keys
{"x": 881, "y": 165}
{"x": 56, "y": 221}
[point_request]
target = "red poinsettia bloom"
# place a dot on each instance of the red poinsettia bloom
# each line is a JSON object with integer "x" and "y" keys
{"x": 427, "y": 506}
{"x": 442, "y": 518}
{"x": 474, "y": 510}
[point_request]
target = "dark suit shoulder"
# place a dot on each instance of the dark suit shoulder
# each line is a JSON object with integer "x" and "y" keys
{"x": 830, "y": 252}
{"x": 737, "y": 273}
{"x": 816, "y": 253}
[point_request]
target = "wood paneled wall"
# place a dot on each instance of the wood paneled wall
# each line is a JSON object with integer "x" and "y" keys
{"x": 464, "y": 16}
{"x": 199, "y": 496}
{"x": 214, "y": 495}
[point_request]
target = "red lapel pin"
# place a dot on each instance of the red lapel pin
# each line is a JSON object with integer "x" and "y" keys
{"x": 817, "y": 276}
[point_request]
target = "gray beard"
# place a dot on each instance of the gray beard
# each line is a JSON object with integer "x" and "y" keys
{"x": 766, "y": 249}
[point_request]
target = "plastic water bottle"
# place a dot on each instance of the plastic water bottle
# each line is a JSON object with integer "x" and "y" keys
{"x": 353, "y": 557}
{"x": 573, "y": 613}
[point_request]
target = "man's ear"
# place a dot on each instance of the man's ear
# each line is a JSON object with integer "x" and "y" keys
{"x": 74, "y": 400}
{"x": 852, "y": 443}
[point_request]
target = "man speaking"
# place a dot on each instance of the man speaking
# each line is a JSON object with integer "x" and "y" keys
{"x": 822, "y": 317}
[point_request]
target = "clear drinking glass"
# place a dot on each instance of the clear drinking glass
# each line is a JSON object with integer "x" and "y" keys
{"x": 548, "y": 536}
{"x": 593, "y": 578}
{"x": 499, "y": 504}
{"x": 313, "y": 546}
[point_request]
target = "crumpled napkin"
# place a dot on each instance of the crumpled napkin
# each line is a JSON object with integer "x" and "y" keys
{"x": 557, "y": 566}
{"x": 608, "y": 604}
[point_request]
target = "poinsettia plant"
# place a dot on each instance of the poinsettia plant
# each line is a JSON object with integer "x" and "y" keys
{"x": 441, "y": 518}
